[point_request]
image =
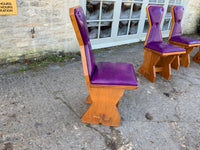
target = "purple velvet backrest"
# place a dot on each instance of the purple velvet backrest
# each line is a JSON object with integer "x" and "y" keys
{"x": 178, "y": 14}
{"x": 155, "y": 15}
{"x": 82, "y": 24}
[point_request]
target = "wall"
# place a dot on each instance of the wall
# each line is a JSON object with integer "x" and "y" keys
{"x": 52, "y": 24}
{"x": 54, "y": 32}
{"x": 191, "y": 16}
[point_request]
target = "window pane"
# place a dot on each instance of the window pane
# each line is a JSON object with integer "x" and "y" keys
{"x": 152, "y": 1}
{"x": 125, "y": 10}
{"x": 92, "y": 10}
{"x": 136, "y": 10}
{"x": 133, "y": 27}
{"x": 93, "y": 32}
{"x": 171, "y": 1}
{"x": 161, "y": 1}
{"x": 146, "y": 26}
{"x": 107, "y": 10}
{"x": 168, "y": 14}
{"x": 178, "y": 1}
{"x": 123, "y": 26}
{"x": 165, "y": 25}
{"x": 105, "y": 29}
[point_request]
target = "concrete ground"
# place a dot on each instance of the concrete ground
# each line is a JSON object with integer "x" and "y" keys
{"x": 41, "y": 110}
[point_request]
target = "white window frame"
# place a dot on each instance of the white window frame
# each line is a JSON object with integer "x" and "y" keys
{"x": 115, "y": 40}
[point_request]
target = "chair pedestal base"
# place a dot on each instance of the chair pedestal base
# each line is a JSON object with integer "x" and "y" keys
{"x": 156, "y": 63}
{"x": 103, "y": 106}
{"x": 196, "y": 58}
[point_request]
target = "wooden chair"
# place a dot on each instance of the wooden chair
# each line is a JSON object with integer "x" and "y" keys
{"x": 158, "y": 56}
{"x": 105, "y": 81}
{"x": 176, "y": 38}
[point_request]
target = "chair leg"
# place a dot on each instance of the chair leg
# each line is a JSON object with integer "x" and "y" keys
{"x": 185, "y": 58}
{"x": 196, "y": 58}
{"x": 147, "y": 69}
{"x": 165, "y": 62}
{"x": 103, "y": 108}
{"x": 176, "y": 63}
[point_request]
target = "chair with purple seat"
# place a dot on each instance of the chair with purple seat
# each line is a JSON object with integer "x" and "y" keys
{"x": 176, "y": 38}
{"x": 105, "y": 81}
{"x": 158, "y": 56}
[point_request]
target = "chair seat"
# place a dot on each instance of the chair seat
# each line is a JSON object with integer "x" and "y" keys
{"x": 109, "y": 73}
{"x": 185, "y": 40}
{"x": 163, "y": 47}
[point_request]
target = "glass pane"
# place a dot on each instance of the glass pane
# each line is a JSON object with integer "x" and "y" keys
{"x": 161, "y": 1}
{"x": 122, "y": 28}
{"x": 171, "y": 1}
{"x": 139, "y": 0}
{"x": 178, "y": 1}
{"x": 107, "y": 10}
{"x": 170, "y": 24}
{"x": 93, "y": 32}
{"x": 92, "y": 10}
{"x": 133, "y": 27}
{"x": 136, "y": 10}
{"x": 151, "y": 1}
{"x": 168, "y": 14}
{"x": 105, "y": 29}
{"x": 127, "y": 0}
{"x": 146, "y": 26}
{"x": 93, "y": 24}
{"x": 125, "y": 10}
{"x": 165, "y": 25}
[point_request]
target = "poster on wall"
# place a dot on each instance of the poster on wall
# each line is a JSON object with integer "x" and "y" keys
{"x": 8, "y": 7}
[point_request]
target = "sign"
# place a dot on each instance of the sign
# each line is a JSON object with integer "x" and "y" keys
{"x": 8, "y": 7}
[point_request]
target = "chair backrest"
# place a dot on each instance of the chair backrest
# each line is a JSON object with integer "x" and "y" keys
{"x": 154, "y": 13}
{"x": 177, "y": 14}
{"x": 79, "y": 21}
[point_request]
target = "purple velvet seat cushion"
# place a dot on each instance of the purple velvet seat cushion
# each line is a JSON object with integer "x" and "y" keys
{"x": 185, "y": 40}
{"x": 82, "y": 24}
{"x": 155, "y": 13}
{"x": 109, "y": 73}
{"x": 163, "y": 47}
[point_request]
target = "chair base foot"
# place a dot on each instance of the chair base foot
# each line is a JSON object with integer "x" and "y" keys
{"x": 103, "y": 109}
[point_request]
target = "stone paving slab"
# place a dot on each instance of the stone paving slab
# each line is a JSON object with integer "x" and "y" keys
{"x": 42, "y": 110}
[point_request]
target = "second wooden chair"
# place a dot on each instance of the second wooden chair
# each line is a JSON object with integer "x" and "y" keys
{"x": 176, "y": 38}
{"x": 158, "y": 56}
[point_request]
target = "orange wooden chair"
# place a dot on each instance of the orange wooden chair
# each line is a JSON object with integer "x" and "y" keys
{"x": 176, "y": 38}
{"x": 105, "y": 81}
{"x": 158, "y": 56}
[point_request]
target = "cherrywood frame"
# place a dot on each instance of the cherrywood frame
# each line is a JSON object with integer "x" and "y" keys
{"x": 155, "y": 61}
{"x": 184, "y": 58}
{"x": 104, "y": 99}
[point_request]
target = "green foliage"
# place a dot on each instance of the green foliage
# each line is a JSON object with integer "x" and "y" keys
{"x": 22, "y": 69}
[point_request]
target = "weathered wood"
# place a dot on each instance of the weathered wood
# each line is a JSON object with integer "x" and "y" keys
{"x": 103, "y": 108}
{"x": 148, "y": 69}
